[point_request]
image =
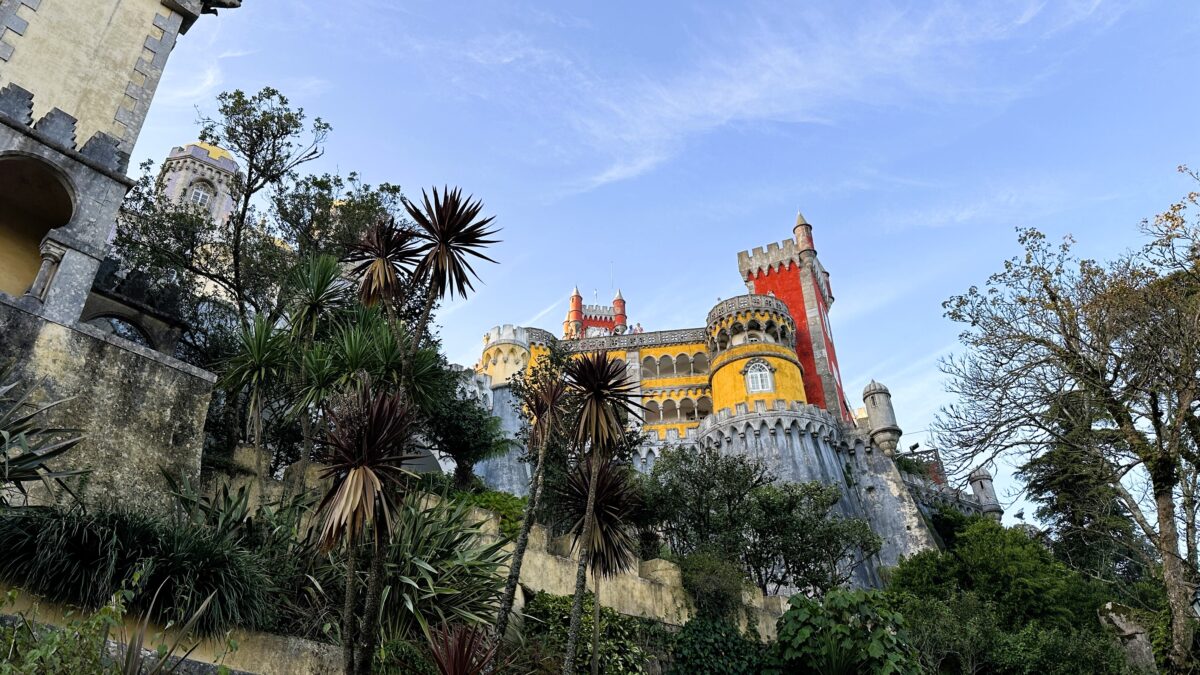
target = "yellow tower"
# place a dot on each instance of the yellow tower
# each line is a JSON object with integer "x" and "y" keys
{"x": 750, "y": 346}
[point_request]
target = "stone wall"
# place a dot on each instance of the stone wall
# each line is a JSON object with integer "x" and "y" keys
{"x": 140, "y": 411}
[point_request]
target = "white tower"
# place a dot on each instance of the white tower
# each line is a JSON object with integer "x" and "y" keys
{"x": 981, "y": 486}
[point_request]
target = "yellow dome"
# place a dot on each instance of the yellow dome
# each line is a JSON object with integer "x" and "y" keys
{"x": 212, "y": 150}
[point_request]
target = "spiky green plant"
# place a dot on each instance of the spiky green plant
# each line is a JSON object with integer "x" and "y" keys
{"x": 440, "y": 569}
{"x": 261, "y": 361}
{"x": 451, "y": 233}
{"x": 606, "y": 399}
{"x": 28, "y": 443}
{"x": 611, "y": 547}
{"x": 369, "y": 441}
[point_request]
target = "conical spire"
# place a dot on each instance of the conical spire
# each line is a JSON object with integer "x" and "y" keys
{"x": 576, "y": 293}
{"x": 803, "y": 233}
{"x": 800, "y": 219}
{"x": 618, "y": 295}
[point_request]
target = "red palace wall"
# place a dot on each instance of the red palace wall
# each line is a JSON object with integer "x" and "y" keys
{"x": 785, "y": 284}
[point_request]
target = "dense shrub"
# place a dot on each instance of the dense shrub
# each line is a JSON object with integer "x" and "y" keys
{"x": 547, "y": 617}
{"x": 510, "y": 508}
{"x": 846, "y": 631}
{"x": 715, "y": 584}
{"x": 438, "y": 569}
{"x": 81, "y": 559}
{"x": 711, "y": 647}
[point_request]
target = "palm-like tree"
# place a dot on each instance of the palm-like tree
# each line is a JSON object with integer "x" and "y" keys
{"x": 546, "y": 399}
{"x": 260, "y": 360}
{"x": 612, "y": 548}
{"x": 369, "y": 441}
{"x": 318, "y": 293}
{"x": 451, "y": 233}
{"x": 382, "y": 260}
{"x": 606, "y": 397}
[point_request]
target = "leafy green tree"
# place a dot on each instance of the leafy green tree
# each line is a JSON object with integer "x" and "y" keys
{"x": 460, "y": 428}
{"x": 1123, "y": 335}
{"x": 779, "y": 534}
{"x": 794, "y": 539}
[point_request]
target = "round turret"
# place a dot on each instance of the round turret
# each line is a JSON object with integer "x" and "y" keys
{"x": 881, "y": 417}
{"x": 981, "y": 487}
{"x": 573, "y": 326}
{"x": 506, "y": 351}
{"x": 620, "y": 320}
{"x": 751, "y": 349}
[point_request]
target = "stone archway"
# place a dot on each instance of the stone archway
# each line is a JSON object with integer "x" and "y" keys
{"x": 33, "y": 201}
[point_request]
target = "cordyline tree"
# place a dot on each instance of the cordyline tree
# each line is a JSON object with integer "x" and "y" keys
{"x": 606, "y": 399}
{"x": 1123, "y": 336}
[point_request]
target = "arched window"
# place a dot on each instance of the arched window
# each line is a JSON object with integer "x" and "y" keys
{"x": 758, "y": 377}
{"x": 202, "y": 195}
{"x": 122, "y": 328}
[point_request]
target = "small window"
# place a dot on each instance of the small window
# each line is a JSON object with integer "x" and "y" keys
{"x": 758, "y": 378}
{"x": 202, "y": 195}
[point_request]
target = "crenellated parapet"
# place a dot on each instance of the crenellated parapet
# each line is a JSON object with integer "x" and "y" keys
{"x": 772, "y": 257}
{"x": 57, "y": 130}
{"x": 507, "y": 334}
{"x": 635, "y": 341}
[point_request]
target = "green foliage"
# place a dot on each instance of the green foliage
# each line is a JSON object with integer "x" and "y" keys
{"x": 711, "y": 647}
{"x": 459, "y": 427}
{"x": 1005, "y": 567}
{"x": 83, "y": 559}
{"x": 438, "y": 569}
{"x": 510, "y": 508}
{"x": 846, "y": 631}
{"x": 26, "y": 647}
{"x": 1033, "y": 650}
{"x": 715, "y": 584}
{"x": 27, "y": 444}
{"x": 912, "y": 465}
{"x": 781, "y": 534}
{"x": 548, "y": 617}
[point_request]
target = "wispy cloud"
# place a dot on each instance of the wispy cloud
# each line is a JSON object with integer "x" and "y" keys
{"x": 203, "y": 86}
{"x": 545, "y": 311}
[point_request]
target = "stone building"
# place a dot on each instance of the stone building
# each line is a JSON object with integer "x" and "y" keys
{"x": 76, "y": 82}
{"x": 759, "y": 378}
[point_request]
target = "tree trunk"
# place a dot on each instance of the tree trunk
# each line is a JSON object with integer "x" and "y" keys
{"x": 596, "y": 629}
{"x": 581, "y": 571}
{"x": 349, "y": 610}
{"x": 1179, "y": 594}
{"x": 464, "y": 475}
{"x": 419, "y": 330}
{"x": 514, "y": 570}
{"x": 369, "y": 632}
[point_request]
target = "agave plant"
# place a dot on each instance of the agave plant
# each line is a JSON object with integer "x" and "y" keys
{"x": 28, "y": 445}
{"x": 383, "y": 258}
{"x": 606, "y": 397}
{"x": 611, "y": 547}
{"x": 546, "y": 399}
{"x": 451, "y": 232}
{"x": 368, "y": 444}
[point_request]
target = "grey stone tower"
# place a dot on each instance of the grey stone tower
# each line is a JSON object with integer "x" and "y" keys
{"x": 885, "y": 431}
{"x": 981, "y": 486}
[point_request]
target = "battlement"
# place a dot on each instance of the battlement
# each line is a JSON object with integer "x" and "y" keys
{"x": 633, "y": 341}
{"x": 778, "y": 410}
{"x": 768, "y": 257}
{"x": 57, "y": 130}
{"x": 210, "y": 155}
{"x": 507, "y": 334}
{"x": 537, "y": 336}
{"x": 599, "y": 311}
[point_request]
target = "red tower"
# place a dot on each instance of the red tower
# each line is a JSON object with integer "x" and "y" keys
{"x": 620, "y": 321}
{"x": 573, "y": 326}
{"x": 791, "y": 272}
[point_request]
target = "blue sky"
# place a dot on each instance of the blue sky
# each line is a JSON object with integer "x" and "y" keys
{"x": 659, "y": 139}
